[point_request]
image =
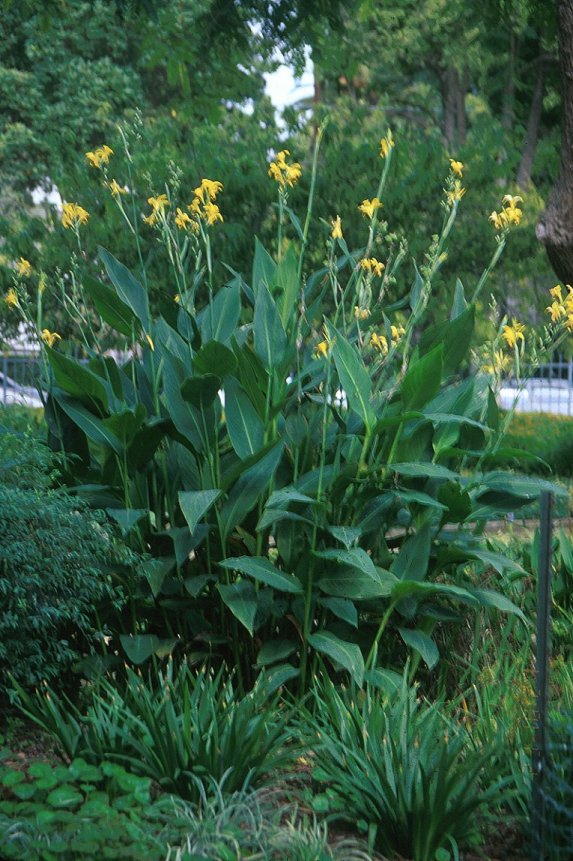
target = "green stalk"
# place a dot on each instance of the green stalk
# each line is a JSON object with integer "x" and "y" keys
{"x": 310, "y": 198}
{"x": 381, "y": 628}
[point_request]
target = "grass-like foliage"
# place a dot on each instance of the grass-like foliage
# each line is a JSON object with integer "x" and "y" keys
{"x": 403, "y": 767}
{"x": 181, "y": 729}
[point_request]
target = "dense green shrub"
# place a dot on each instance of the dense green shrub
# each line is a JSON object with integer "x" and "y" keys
{"x": 56, "y": 565}
{"x": 547, "y": 436}
{"x": 21, "y": 419}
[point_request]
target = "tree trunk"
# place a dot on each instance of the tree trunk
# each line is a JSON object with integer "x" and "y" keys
{"x": 555, "y": 227}
{"x": 523, "y": 177}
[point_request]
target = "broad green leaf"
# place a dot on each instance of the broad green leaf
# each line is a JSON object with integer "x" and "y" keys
{"x": 140, "y": 647}
{"x": 343, "y": 608}
{"x": 385, "y": 680}
{"x": 66, "y": 796}
{"x": 347, "y": 655}
{"x": 264, "y": 267}
{"x": 245, "y": 493}
{"x": 270, "y": 516}
{"x": 286, "y": 279}
{"x": 93, "y": 427}
{"x": 423, "y": 470}
{"x": 346, "y": 582}
{"x": 127, "y": 286}
{"x": 155, "y": 571}
{"x": 347, "y": 535}
{"x": 220, "y": 318}
{"x": 276, "y": 677}
{"x": 241, "y": 599}
{"x": 110, "y": 307}
{"x": 264, "y": 571}
{"x": 527, "y": 487}
{"x": 246, "y": 430}
{"x": 186, "y": 418}
{"x": 491, "y": 598}
{"x": 354, "y": 378}
{"x": 214, "y": 358}
{"x": 459, "y": 304}
{"x": 414, "y": 556}
{"x": 195, "y": 585}
{"x": 195, "y": 504}
{"x": 455, "y": 336}
{"x": 200, "y": 392}
{"x": 408, "y": 588}
{"x": 282, "y": 498}
{"x": 423, "y": 379}
{"x": 127, "y": 518}
{"x": 270, "y": 337}
{"x": 422, "y": 644}
{"x": 356, "y": 557}
{"x": 275, "y": 650}
{"x": 420, "y": 498}
{"x": 457, "y": 500}
{"x": 75, "y": 379}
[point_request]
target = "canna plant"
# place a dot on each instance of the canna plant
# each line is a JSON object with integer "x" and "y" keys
{"x": 302, "y": 460}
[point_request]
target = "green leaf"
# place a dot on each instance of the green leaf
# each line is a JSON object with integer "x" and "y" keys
{"x": 110, "y": 307}
{"x": 347, "y": 655}
{"x": 93, "y": 427}
{"x": 264, "y": 571}
{"x": 408, "y": 588}
{"x": 422, "y": 644}
{"x": 245, "y": 493}
{"x": 423, "y": 379}
{"x": 127, "y": 518}
{"x": 139, "y": 647}
{"x": 275, "y": 678}
{"x": 275, "y": 650}
{"x": 195, "y": 504}
{"x": 282, "y": 498}
{"x": 420, "y": 498}
{"x": 245, "y": 428}
{"x": 75, "y": 379}
{"x": 526, "y": 487}
{"x": 241, "y": 599}
{"x": 354, "y": 378}
{"x": 343, "y": 608}
{"x": 459, "y": 304}
{"x": 214, "y": 358}
{"x": 220, "y": 318}
{"x": 457, "y": 500}
{"x": 385, "y": 680}
{"x": 264, "y": 267}
{"x": 286, "y": 279}
{"x": 127, "y": 286}
{"x": 200, "y": 392}
{"x": 414, "y": 556}
{"x": 423, "y": 470}
{"x": 346, "y": 582}
{"x": 455, "y": 336}
{"x": 65, "y": 796}
{"x": 270, "y": 337}
{"x": 347, "y": 535}
{"x": 356, "y": 557}
{"x": 491, "y": 598}
{"x": 155, "y": 571}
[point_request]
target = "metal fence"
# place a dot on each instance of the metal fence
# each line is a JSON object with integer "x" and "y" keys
{"x": 19, "y": 376}
{"x": 549, "y": 390}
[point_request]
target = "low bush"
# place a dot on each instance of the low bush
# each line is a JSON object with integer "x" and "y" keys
{"x": 547, "y": 436}
{"x": 404, "y": 768}
{"x": 56, "y": 564}
{"x": 182, "y": 729}
{"x": 21, "y": 419}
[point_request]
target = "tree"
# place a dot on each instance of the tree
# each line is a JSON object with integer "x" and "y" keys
{"x": 555, "y": 227}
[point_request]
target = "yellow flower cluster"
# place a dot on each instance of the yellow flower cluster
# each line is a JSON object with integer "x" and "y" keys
{"x": 510, "y": 214}
{"x": 456, "y": 192}
{"x": 561, "y": 308}
{"x": 361, "y": 313}
{"x": 50, "y": 338}
{"x": 336, "y": 227}
{"x": 73, "y": 215}
{"x": 513, "y": 333}
{"x": 284, "y": 173}
{"x": 500, "y": 362}
{"x": 203, "y": 205}
{"x": 369, "y": 207}
{"x": 456, "y": 167}
{"x": 116, "y": 189}
{"x": 157, "y": 204}
{"x": 386, "y": 144}
{"x": 380, "y": 342}
{"x": 370, "y": 264}
{"x": 11, "y": 298}
{"x": 99, "y": 156}
{"x": 23, "y": 268}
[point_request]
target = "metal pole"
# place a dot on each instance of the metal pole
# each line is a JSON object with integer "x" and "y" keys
{"x": 543, "y": 646}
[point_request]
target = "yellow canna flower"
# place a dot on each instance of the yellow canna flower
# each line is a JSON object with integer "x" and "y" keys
{"x": 158, "y": 203}
{"x": 150, "y": 219}
{"x": 498, "y": 219}
{"x": 556, "y": 294}
{"x": 24, "y": 267}
{"x": 212, "y": 187}
{"x": 397, "y": 332}
{"x": 369, "y": 207}
{"x": 511, "y": 202}
{"x": 499, "y": 363}
{"x": 386, "y": 144}
{"x": 11, "y": 298}
{"x": 149, "y": 341}
{"x": 212, "y": 213}
{"x": 456, "y": 167}
{"x": 182, "y": 220}
{"x": 379, "y": 342}
{"x": 361, "y": 313}
{"x": 336, "y": 228}
{"x": 195, "y": 206}
{"x": 456, "y": 193}
{"x": 284, "y": 173}
{"x": 73, "y": 215}
{"x": 117, "y": 189}
{"x": 370, "y": 264}
{"x": 99, "y": 156}
{"x": 556, "y": 310}
{"x": 50, "y": 338}
{"x": 514, "y": 333}
{"x": 322, "y": 349}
